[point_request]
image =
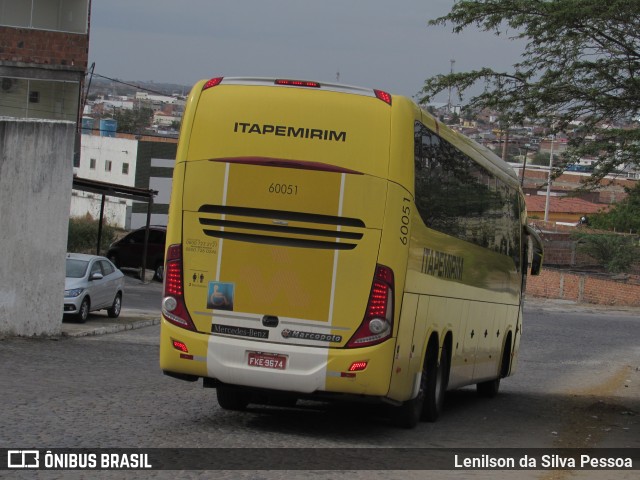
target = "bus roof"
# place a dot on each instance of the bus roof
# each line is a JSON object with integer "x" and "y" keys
{"x": 290, "y": 83}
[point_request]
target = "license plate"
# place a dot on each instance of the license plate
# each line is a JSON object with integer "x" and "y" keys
{"x": 267, "y": 360}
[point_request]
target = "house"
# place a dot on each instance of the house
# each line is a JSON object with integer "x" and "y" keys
{"x": 106, "y": 159}
{"x": 561, "y": 209}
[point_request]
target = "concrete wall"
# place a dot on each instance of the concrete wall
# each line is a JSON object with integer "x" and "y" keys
{"x": 35, "y": 190}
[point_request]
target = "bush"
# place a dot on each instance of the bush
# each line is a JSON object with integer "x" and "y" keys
{"x": 83, "y": 235}
{"x": 616, "y": 253}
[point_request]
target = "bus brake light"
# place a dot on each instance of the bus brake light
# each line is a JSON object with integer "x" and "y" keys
{"x": 212, "y": 83}
{"x": 297, "y": 83}
{"x": 377, "y": 325}
{"x": 384, "y": 96}
{"x": 174, "y": 308}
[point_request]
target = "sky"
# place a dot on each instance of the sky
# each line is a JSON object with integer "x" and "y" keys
{"x": 383, "y": 44}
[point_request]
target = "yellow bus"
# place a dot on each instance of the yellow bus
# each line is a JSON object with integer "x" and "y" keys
{"x": 334, "y": 242}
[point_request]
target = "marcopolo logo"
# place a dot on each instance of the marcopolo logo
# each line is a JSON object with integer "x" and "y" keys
{"x": 320, "y": 337}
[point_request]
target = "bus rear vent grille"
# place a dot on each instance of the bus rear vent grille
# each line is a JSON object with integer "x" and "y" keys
{"x": 250, "y": 225}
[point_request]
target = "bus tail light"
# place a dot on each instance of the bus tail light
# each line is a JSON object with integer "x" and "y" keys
{"x": 214, "y": 82}
{"x": 377, "y": 325}
{"x": 384, "y": 96}
{"x": 297, "y": 83}
{"x": 174, "y": 308}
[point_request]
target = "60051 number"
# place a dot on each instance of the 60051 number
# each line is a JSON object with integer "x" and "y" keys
{"x": 283, "y": 189}
{"x": 405, "y": 219}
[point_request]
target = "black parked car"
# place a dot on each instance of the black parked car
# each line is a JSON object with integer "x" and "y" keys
{"x": 127, "y": 252}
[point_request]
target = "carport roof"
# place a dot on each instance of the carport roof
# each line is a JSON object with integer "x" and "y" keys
{"x": 113, "y": 190}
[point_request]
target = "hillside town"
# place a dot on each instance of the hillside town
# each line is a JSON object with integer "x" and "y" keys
{"x": 119, "y": 114}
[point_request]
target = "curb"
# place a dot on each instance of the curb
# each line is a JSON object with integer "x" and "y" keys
{"x": 546, "y": 303}
{"x": 91, "y": 328}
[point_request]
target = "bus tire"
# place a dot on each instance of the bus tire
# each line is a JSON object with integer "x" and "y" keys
{"x": 490, "y": 388}
{"x": 436, "y": 388}
{"x": 232, "y": 398}
{"x": 408, "y": 414}
{"x": 428, "y": 403}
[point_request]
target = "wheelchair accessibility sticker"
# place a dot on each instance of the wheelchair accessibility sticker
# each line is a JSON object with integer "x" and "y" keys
{"x": 220, "y": 296}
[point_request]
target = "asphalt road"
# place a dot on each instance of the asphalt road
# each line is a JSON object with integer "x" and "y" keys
{"x": 578, "y": 385}
{"x": 141, "y": 295}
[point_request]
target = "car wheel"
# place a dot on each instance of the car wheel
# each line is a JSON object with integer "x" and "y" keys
{"x": 114, "y": 311}
{"x": 158, "y": 273}
{"x": 83, "y": 312}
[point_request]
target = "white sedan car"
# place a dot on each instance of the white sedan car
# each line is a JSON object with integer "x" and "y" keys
{"x": 92, "y": 283}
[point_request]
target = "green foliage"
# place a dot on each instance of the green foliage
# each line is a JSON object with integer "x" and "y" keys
{"x": 580, "y": 63}
{"x": 134, "y": 120}
{"x": 83, "y": 235}
{"x": 623, "y": 217}
{"x": 616, "y": 253}
{"x": 540, "y": 159}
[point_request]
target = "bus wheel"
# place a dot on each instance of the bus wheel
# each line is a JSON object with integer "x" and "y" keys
{"x": 408, "y": 414}
{"x": 428, "y": 403}
{"x": 436, "y": 388}
{"x": 490, "y": 388}
{"x": 232, "y": 398}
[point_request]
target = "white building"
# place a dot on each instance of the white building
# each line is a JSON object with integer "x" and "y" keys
{"x": 106, "y": 159}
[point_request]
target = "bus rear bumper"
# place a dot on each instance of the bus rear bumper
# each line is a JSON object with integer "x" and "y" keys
{"x": 295, "y": 368}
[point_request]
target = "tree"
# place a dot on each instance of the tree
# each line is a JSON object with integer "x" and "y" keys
{"x": 134, "y": 120}
{"x": 539, "y": 159}
{"x": 623, "y": 217}
{"x": 581, "y": 64}
{"x": 616, "y": 253}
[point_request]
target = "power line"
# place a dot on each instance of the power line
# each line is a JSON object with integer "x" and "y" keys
{"x": 130, "y": 84}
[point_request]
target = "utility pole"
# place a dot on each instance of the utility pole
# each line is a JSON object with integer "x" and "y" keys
{"x": 546, "y": 203}
{"x": 450, "y": 72}
{"x": 524, "y": 165}
{"x": 505, "y": 145}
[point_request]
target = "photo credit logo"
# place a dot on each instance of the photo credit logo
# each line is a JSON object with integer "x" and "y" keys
{"x": 78, "y": 459}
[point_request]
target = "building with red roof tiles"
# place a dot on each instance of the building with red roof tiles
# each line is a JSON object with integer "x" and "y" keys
{"x": 562, "y": 209}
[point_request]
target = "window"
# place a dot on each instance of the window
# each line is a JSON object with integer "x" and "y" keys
{"x": 125, "y": 169}
{"x": 137, "y": 236}
{"x": 107, "y": 268}
{"x": 92, "y": 164}
{"x": 457, "y": 196}
{"x": 95, "y": 268}
{"x": 23, "y": 98}
{"x": 107, "y": 165}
